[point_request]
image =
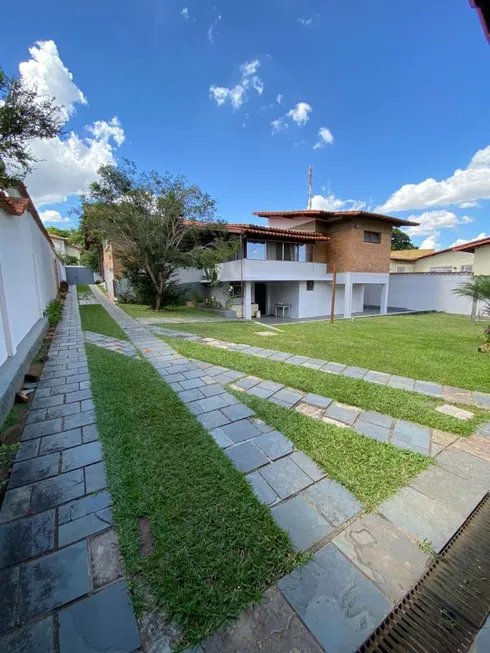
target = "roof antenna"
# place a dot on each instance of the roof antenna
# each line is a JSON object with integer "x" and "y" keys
{"x": 310, "y": 185}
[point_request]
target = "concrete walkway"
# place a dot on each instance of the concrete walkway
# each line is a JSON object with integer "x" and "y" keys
{"x": 362, "y": 563}
{"x": 428, "y": 388}
{"x": 61, "y": 577}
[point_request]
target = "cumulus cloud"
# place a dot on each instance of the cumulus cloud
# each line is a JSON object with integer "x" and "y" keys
{"x": 279, "y": 98}
{"x": 300, "y": 113}
{"x": 237, "y": 95}
{"x": 430, "y": 221}
{"x": 326, "y": 137}
{"x": 66, "y": 166}
{"x": 431, "y": 242}
{"x": 185, "y": 13}
{"x": 306, "y": 22}
{"x": 278, "y": 125}
{"x": 329, "y": 202}
{"x": 464, "y": 185}
{"x": 52, "y": 217}
{"x": 463, "y": 241}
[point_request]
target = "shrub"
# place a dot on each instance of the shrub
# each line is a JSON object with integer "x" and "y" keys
{"x": 54, "y": 310}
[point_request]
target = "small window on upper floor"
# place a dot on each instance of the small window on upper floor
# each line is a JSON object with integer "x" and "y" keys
{"x": 310, "y": 285}
{"x": 372, "y": 237}
{"x": 401, "y": 268}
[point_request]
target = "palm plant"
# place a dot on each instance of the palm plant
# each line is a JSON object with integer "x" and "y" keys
{"x": 478, "y": 289}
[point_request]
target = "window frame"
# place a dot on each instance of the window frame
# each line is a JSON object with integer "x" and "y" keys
{"x": 369, "y": 240}
{"x": 310, "y": 285}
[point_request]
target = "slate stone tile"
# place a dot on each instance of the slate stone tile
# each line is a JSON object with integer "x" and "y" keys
{"x": 80, "y": 419}
{"x": 466, "y": 466}
{"x": 95, "y": 477}
{"x": 16, "y": 503}
{"x": 307, "y": 465}
{"x": 422, "y": 517}
{"x": 335, "y": 502}
{"x": 302, "y": 522}
{"x": 52, "y": 383}
{"x": 262, "y": 426}
{"x": 213, "y": 419}
{"x": 87, "y": 404}
{"x": 35, "y": 469}
{"x": 342, "y": 413}
{"x": 48, "y": 427}
{"x": 482, "y": 640}
{"x": 65, "y": 389}
{"x": 37, "y": 416}
{"x": 60, "y": 441}
{"x": 85, "y": 385}
{"x": 102, "y": 622}
{"x": 384, "y": 553}
{"x": 484, "y": 430}
{"x": 427, "y": 388}
{"x": 355, "y": 372}
{"x": 43, "y": 392}
{"x": 85, "y": 454}
{"x": 28, "y": 449}
{"x": 105, "y": 558}
{"x": 26, "y": 538}
{"x": 176, "y": 387}
{"x": 271, "y": 385}
{"x": 248, "y": 382}
{"x": 237, "y": 412}
{"x": 372, "y": 431}
{"x": 65, "y": 409}
{"x": 221, "y": 439}
{"x": 246, "y": 456}
{"x": 298, "y": 360}
{"x": 280, "y": 356}
{"x": 285, "y": 477}
{"x": 54, "y": 580}
{"x": 84, "y": 506}
{"x": 233, "y": 375}
{"x": 257, "y": 391}
{"x": 9, "y": 582}
{"x": 317, "y": 400}
{"x": 211, "y": 390}
{"x": 401, "y": 382}
{"x": 262, "y": 490}
{"x": 189, "y": 384}
{"x": 378, "y": 419}
{"x": 77, "y": 529}
{"x": 481, "y": 399}
{"x": 54, "y": 491}
{"x": 288, "y": 396}
{"x": 412, "y": 434}
{"x": 336, "y": 368}
{"x": 271, "y": 626}
{"x": 240, "y": 431}
{"x": 190, "y": 395}
{"x": 37, "y": 638}
{"x": 274, "y": 444}
{"x": 377, "y": 377}
{"x": 458, "y": 494}
{"x": 46, "y": 402}
{"x": 336, "y": 602}
{"x": 173, "y": 378}
{"x": 89, "y": 433}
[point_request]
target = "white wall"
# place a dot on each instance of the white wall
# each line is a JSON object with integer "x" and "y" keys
{"x": 28, "y": 278}
{"x": 425, "y": 292}
{"x": 283, "y": 293}
{"x": 453, "y": 260}
{"x": 482, "y": 260}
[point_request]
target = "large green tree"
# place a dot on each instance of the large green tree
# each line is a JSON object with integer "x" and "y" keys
{"x": 74, "y": 236}
{"x": 24, "y": 115}
{"x": 400, "y": 240}
{"x": 159, "y": 223}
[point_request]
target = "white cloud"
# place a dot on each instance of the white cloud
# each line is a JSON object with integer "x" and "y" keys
{"x": 46, "y": 71}
{"x": 431, "y": 242}
{"x": 212, "y": 28}
{"x": 306, "y": 22}
{"x": 52, "y": 217}
{"x": 279, "y": 98}
{"x": 326, "y": 137}
{"x": 185, "y": 13}
{"x": 65, "y": 166}
{"x": 463, "y": 241}
{"x": 430, "y": 221}
{"x": 299, "y": 143}
{"x": 329, "y": 202}
{"x": 278, "y": 125}
{"x": 468, "y": 185}
{"x": 468, "y": 205}
{"x": 237, "y": 95}
{"x": 300, "y": 113}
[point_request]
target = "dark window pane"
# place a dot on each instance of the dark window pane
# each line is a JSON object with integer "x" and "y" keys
{"x": 274, "y": 250}
{"x": 291, "y": 251}
{"x": 372, "y": 237}
{"x": 310, "y": 285}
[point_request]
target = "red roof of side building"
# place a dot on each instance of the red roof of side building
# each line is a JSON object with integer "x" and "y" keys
{"x": 257, "y": 229}
{"x": 320, "y": 213}
{"x": 483, "y": 9}
{"x": 470, "y": 247}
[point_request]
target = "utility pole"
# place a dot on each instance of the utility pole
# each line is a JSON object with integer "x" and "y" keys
{"x": 310, "y": 185}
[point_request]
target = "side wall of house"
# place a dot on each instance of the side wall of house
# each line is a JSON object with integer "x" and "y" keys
{"x": 453, "y": 260}
{"x": 482, "y": 260}
{"x": 347, "y": 249}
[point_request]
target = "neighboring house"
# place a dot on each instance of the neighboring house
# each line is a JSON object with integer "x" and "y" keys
{"x": 420, "y": 260}
{"x": 64, "y": 248}
{"x": 480, "y": 250}
{"x": 30, "y": 273}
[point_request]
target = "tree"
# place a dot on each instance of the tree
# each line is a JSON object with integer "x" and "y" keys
{"x": 74, "y": 236}
{"x": 159, "y": 223}
{"x": 478, "y": 289}
{"x": 90, "y": 258}
{"x": 24, "y": 115}
{"x": 400, "y": 240}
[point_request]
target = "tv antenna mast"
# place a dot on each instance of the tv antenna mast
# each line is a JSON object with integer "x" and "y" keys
{"x": 310, "y": 185}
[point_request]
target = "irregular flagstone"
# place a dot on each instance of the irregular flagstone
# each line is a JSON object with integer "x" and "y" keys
{"x": 304, "y": 524}
{"x": 111, "y": 343}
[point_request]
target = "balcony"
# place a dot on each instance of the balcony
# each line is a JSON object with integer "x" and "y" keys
{"x": 257, "y": 270}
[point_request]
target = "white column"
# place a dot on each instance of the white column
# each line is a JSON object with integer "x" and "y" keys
{"x": 384, "y": 299}
{"x": 347, "y": 295}
{"x": 247, "y": 300}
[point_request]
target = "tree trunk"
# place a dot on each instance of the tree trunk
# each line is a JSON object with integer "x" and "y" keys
{"x": 158, "y": 301}
{"x": 473, "y": 311}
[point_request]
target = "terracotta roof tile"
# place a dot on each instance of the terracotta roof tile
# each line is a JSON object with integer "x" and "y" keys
{"x": 468, "y": 247}
{"x": 320, "y": 213}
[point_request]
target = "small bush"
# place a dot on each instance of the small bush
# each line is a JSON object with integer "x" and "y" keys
{"x": 64, "y": 287}
{"x": 54, "y": 310}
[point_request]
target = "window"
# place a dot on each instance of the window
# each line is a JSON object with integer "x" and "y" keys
{"x": 274, "y": 251}
{"x": 310, "y": 285}
{"x": 466, "y": 268}
{"x": 372, "y": 237}
{"x": 291, "y": 251}
{"x": 441, "y": 268}
{"x": 256, "y": 250}
{"x": 236, "y": 290}
{"x": 401, "y": 268}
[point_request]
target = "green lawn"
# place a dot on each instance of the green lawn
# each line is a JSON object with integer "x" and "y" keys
{"x": 371, "y": 470}
{"x": 435, "y": 347}
{"x": 141, "y": 310}
{"x": 410, "y": 406}
{"x": 216, "y": 548}
{"x": 83, "y": 289}
{"x": 95, "y": 318}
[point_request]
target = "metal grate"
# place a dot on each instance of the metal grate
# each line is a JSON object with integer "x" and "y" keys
{"x": 445, "y": 610}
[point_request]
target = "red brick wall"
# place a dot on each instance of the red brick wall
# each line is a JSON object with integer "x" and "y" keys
{"x": 348, "y": 250}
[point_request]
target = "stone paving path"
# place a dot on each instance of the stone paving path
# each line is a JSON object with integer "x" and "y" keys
{"x": 362, "y": 563}
{"x": 61, "y": 577}
{"x": 112, "y": 344}
{"x": 428, "y": 388}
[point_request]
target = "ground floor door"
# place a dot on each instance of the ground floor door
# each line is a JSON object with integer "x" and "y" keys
{"x": 261, "y": 297}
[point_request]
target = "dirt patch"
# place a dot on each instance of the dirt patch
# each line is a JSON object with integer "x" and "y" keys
{"x": 147, "y": 542}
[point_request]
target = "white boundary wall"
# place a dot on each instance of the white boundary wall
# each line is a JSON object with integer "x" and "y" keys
{"x": 30, "y": 273}
{"x": 428, "y": 292}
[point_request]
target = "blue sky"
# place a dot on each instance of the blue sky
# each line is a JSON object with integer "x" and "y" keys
{"x": 400, "y": 91}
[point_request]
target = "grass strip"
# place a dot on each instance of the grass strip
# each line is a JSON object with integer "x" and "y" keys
{"x": 401, "y": 404}
{"x": 435, "y": 347}
{"x": 95, "y": 318}
{"x": 141, "y": 310}
{"x": 83, "y": 289}
{"x": 216, "y": 548}
{"x": 371, "y": 470}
